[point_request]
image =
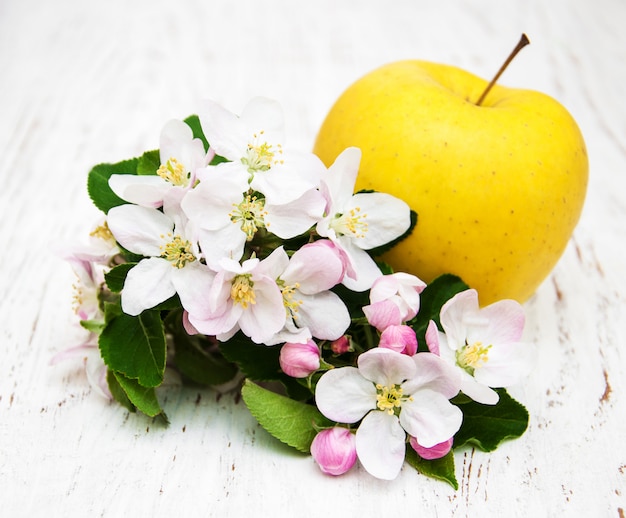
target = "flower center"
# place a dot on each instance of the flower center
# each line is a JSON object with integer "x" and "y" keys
{"x": 261, "y": 156}
{"x": 250, "y": 214}
{"x": 389, "y": 399}
{"x": 472, "y": 356}
{"x": 350, "y": 223}
{"x": 174, "y": 172}
{"x": 291, "y": 304}
{"x": 177, "y": 251}
{"x": 102, "y": 232}
{"x": 242, "y": 290}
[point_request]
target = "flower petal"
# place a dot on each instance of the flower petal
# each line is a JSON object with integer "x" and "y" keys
{"x": 325, "y": 314}
{"x": 193, "y": 285}
{"x": 431, "y": 417}
{"x": 147, "y": 284}
{"x": 267, "y": 316}
{"x": 341, "y": 177}
{"x": 388, "y": 218}
{"x": 296, "y": 217}
{"x": 505, "y": 323}
{"x": 386, "y": 367}
{"x": 433, "y": 373}
{"x": 508, "y": 364}
{"x": 316, "y": 267}
{"x": 144, "y": 190}
{"x": 345, "y": 396}
{"x": 226, "y": 133}
{"x": 139, "y": 229}
{"x": 380, "y": 445}
{"x": 365, "y": 268}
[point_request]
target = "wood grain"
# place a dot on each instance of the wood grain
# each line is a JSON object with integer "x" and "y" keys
{"x": 85, "y": 82}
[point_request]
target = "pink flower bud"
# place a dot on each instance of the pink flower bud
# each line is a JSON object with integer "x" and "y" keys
{"x": 401, "y": 339}
{"x": 341, "y": 345}
{"x": 334, "y": 450}
{"x": 435, "y": 452}
{"x": 299, "y": 360}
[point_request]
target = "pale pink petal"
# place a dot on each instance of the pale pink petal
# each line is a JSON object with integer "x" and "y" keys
{"x": 267, "y": 316}
{"x": 431, "y": 417}
{"x": 217, "y": 323}
{"x": 383, "y": 314}
{"x": 386, "y": 367}
{"x": 455, "y": 314}
{"x": 315, "y": 267}
{"x": 380, "y": 445}
{"x": 274, "y": 264}
{"x": 139, "y": 229}
{"x": 432, "y": 338}
{"x": 433, "y": 373}
{"x": 147, "y": 284}
{"x": 324, "y": 314}
{"x": 228, "y": 242}
{"x": 505, "y": 323}
{"x": 344, "y": 396}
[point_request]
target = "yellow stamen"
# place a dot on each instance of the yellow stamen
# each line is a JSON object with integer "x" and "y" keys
{"x": 174, "y": 172}
{"x": 389, "y": 399}
{"x": 177, "y": 251}
{"x": 352, "y": 222}
{"x": 250, "y": 214}
{"x": 102, "y": 232}
{"x": 291, "y": 304}
{"x": 472, "y": 356}
{"x": 242, "y": 290}
{"x": 262, "y": 156}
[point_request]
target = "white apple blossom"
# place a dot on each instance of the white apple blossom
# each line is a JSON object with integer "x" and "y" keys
{"x": 171, "y": 258}
{"x": 359, "y": 222}
{"x": 181, "y": 155}
{"x": 253, "y": 143}
{"x": 395, "y": 299}
{"x": 305, "y": 280}
{"x": 228, "y": 214}
{"x": 394, "y": 394}
{"x": 242, "y": 296}
{"x": 483, "y": 344}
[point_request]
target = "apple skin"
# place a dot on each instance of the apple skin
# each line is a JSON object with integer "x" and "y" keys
{"x": 498, "y": 188}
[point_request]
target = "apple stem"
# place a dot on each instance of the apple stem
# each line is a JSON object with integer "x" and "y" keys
{"x": 520, "y": 45}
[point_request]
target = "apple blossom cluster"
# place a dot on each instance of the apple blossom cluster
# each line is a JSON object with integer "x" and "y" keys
{"x": 225, "y": 255}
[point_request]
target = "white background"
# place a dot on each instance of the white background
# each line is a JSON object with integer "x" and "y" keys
{"x": 83, "y": 82}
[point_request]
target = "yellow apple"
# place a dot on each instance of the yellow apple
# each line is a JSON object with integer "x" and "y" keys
{"x": 498, "y": 187}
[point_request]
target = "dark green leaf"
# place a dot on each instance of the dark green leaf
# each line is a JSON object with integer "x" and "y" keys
{"x": 257, "y": 362}
{"x": 149, "y": 162}
{"x": 134, "y": 346}
{"x": 116, "y": 276}
{"x": 143, "y": 398}
{"x": 98, "y": 183}
{"x": 486, "y": 426}
{"x": 441, "y": 469}
{"x": 291, "y": 422}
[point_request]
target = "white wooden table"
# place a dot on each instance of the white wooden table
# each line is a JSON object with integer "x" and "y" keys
{"x": 84, "y": 82}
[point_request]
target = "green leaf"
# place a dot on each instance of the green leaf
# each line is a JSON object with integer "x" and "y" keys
{"x": 118, "y": 392}
{"x": 196, "y": 128}
{"x": 116, "y": 276}
{"x": 486, "y": 426}
{"x": 149, "y": 162}
{"x": 98, "y": 183}
{"x": 257, "y": 362}
{"x": 134, "y": 346}
{"x": 194, "y": 358}
{"x": 143, "y": 398}
{"x": 441, "y": 469}
{"x": 291, "y": 422}
{"x": 93, "y": 326}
